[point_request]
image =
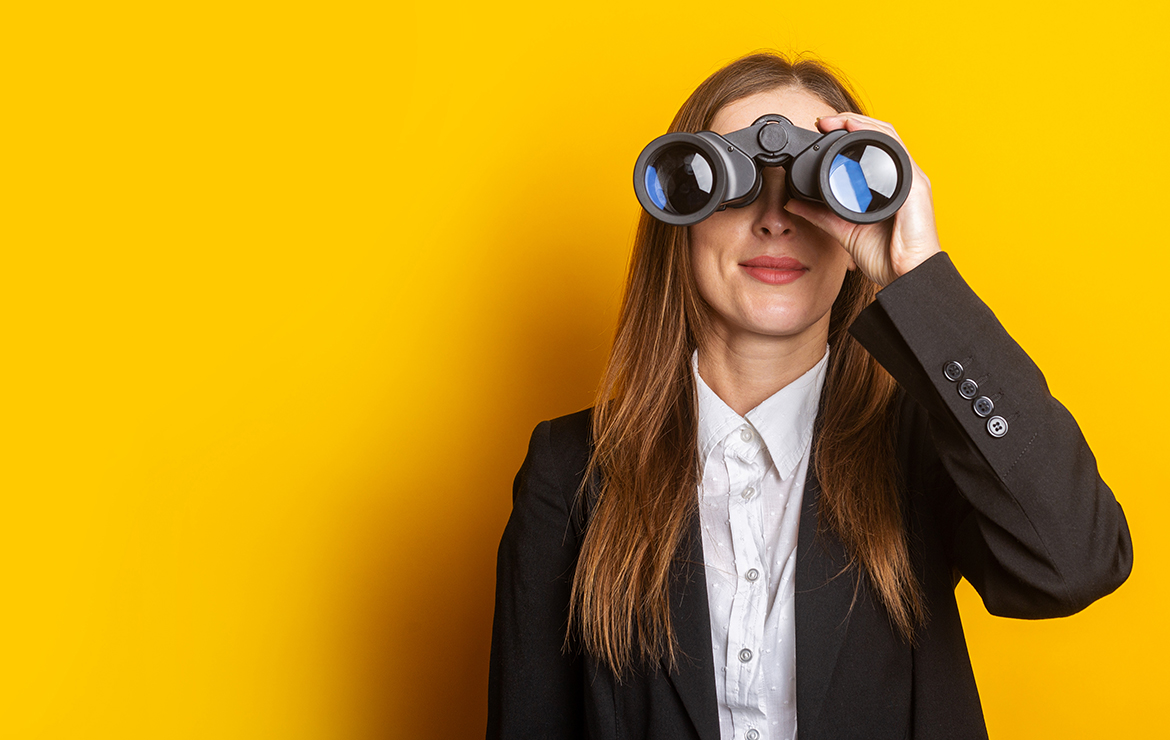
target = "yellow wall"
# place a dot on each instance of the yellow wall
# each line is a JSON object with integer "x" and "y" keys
{"x": 286, "y": 286}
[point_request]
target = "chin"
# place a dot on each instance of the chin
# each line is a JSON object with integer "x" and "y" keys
{"x": 777, "y": 328}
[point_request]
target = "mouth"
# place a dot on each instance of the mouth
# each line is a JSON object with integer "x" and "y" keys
{"x": 774, "y": 270}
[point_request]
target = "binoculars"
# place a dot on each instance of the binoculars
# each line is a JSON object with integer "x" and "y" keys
{"x": 862, "y": 176}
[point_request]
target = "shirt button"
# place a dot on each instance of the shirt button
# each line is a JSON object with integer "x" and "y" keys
{"x": 745, "y": 655}
{"x": 745, "y": 434}
{"x": 752, "y": 574}
{"x": 953, "y": 371}
{"x": 748, "y": 493}
{"x": 752, "y": 734}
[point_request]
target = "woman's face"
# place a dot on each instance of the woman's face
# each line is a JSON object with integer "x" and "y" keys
{"x": 762, "y": 270}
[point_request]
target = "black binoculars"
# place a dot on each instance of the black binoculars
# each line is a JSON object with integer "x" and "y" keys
{"x": 862, "y": 176}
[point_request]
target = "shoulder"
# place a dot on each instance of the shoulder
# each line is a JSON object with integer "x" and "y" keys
{"x": 570, "y": 434}
{"x": 558, "y": 454}
{"x": 563, "y": 442}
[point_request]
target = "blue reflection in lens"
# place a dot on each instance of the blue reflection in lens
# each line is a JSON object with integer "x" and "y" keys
{"x": 654, "y": 188}
{"x": 679, "y": 180}
{"x": 849, "y": 185}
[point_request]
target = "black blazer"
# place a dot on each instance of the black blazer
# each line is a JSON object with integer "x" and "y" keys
{"x": 1023, "y": 516}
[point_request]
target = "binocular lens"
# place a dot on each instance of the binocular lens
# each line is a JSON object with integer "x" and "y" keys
{"x": 680, "y": 179}
{"x": 863, "y": 177}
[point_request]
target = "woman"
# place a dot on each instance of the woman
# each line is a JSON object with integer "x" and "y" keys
{"x": 759, "y": 527}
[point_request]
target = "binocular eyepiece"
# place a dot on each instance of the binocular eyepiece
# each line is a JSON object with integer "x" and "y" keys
{"x": 862, "y": 176}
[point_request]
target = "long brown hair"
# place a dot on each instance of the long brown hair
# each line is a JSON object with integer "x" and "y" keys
{"x": 645, "y": 456}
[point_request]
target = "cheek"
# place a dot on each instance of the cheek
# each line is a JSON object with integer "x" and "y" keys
{"x": 707, "y": 278}
{"x": 833, "y": 263}
{"x": 829, "y": 288}
{"x": 706, "y": 261}
{"x": 843, "y": 258}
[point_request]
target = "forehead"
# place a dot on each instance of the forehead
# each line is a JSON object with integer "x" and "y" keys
{"x": 797, "y": 105}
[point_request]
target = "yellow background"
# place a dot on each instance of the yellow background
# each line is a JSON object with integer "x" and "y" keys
{"x": 286, "y": 286}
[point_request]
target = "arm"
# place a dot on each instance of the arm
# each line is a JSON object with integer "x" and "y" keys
{"x": 534, "y": 687}
{"x": 1032, "y": 525}
{"x": 1036, "y": 532}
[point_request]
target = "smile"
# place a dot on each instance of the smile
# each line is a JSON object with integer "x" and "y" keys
{"x": 774, "y": 270}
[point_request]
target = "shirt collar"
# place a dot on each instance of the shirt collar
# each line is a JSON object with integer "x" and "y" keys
{"x": 784, "y": 421}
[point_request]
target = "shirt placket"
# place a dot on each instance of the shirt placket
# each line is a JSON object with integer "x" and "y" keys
{"x": 745, "y": 464}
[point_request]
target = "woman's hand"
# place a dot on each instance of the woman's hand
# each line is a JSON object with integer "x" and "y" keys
{"x": 891, "y": 248}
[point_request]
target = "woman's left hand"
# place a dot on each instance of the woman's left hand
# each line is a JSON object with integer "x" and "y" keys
{"x": 886, "y": 250}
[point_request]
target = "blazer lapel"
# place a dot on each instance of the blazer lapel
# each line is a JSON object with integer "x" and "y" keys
{"x": 694, "y": 677}
{"x": 823, "y": 598}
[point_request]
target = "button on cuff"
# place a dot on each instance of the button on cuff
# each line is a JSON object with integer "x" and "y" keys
{"x": 968, "y": 388}
{"x": 983, "y": 406}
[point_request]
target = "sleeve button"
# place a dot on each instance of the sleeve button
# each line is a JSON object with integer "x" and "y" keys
{"x": 997, "y": 426}
{"x": 983, "y": 406}
{"x": 968, "y": 388}
{"x": 953, "y": 371}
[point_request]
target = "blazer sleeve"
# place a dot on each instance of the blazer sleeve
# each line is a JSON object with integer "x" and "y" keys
{"x": 1031, "y": 524}
{"x": 534, "y": 685}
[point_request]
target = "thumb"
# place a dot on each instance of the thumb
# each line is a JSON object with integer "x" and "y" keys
{"x": 821, "y": 217}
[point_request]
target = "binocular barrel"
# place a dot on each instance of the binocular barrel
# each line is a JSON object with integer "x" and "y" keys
{"x": 862, "y": 176}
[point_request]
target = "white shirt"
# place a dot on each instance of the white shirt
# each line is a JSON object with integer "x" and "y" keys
{"x": 749, "y": 506}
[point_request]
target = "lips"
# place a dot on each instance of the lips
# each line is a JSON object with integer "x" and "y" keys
{"x": 774, "y": 263}
{"x": 774, "y": 270}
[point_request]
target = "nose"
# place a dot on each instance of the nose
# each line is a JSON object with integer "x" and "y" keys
{"x": 771, "y": 219}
